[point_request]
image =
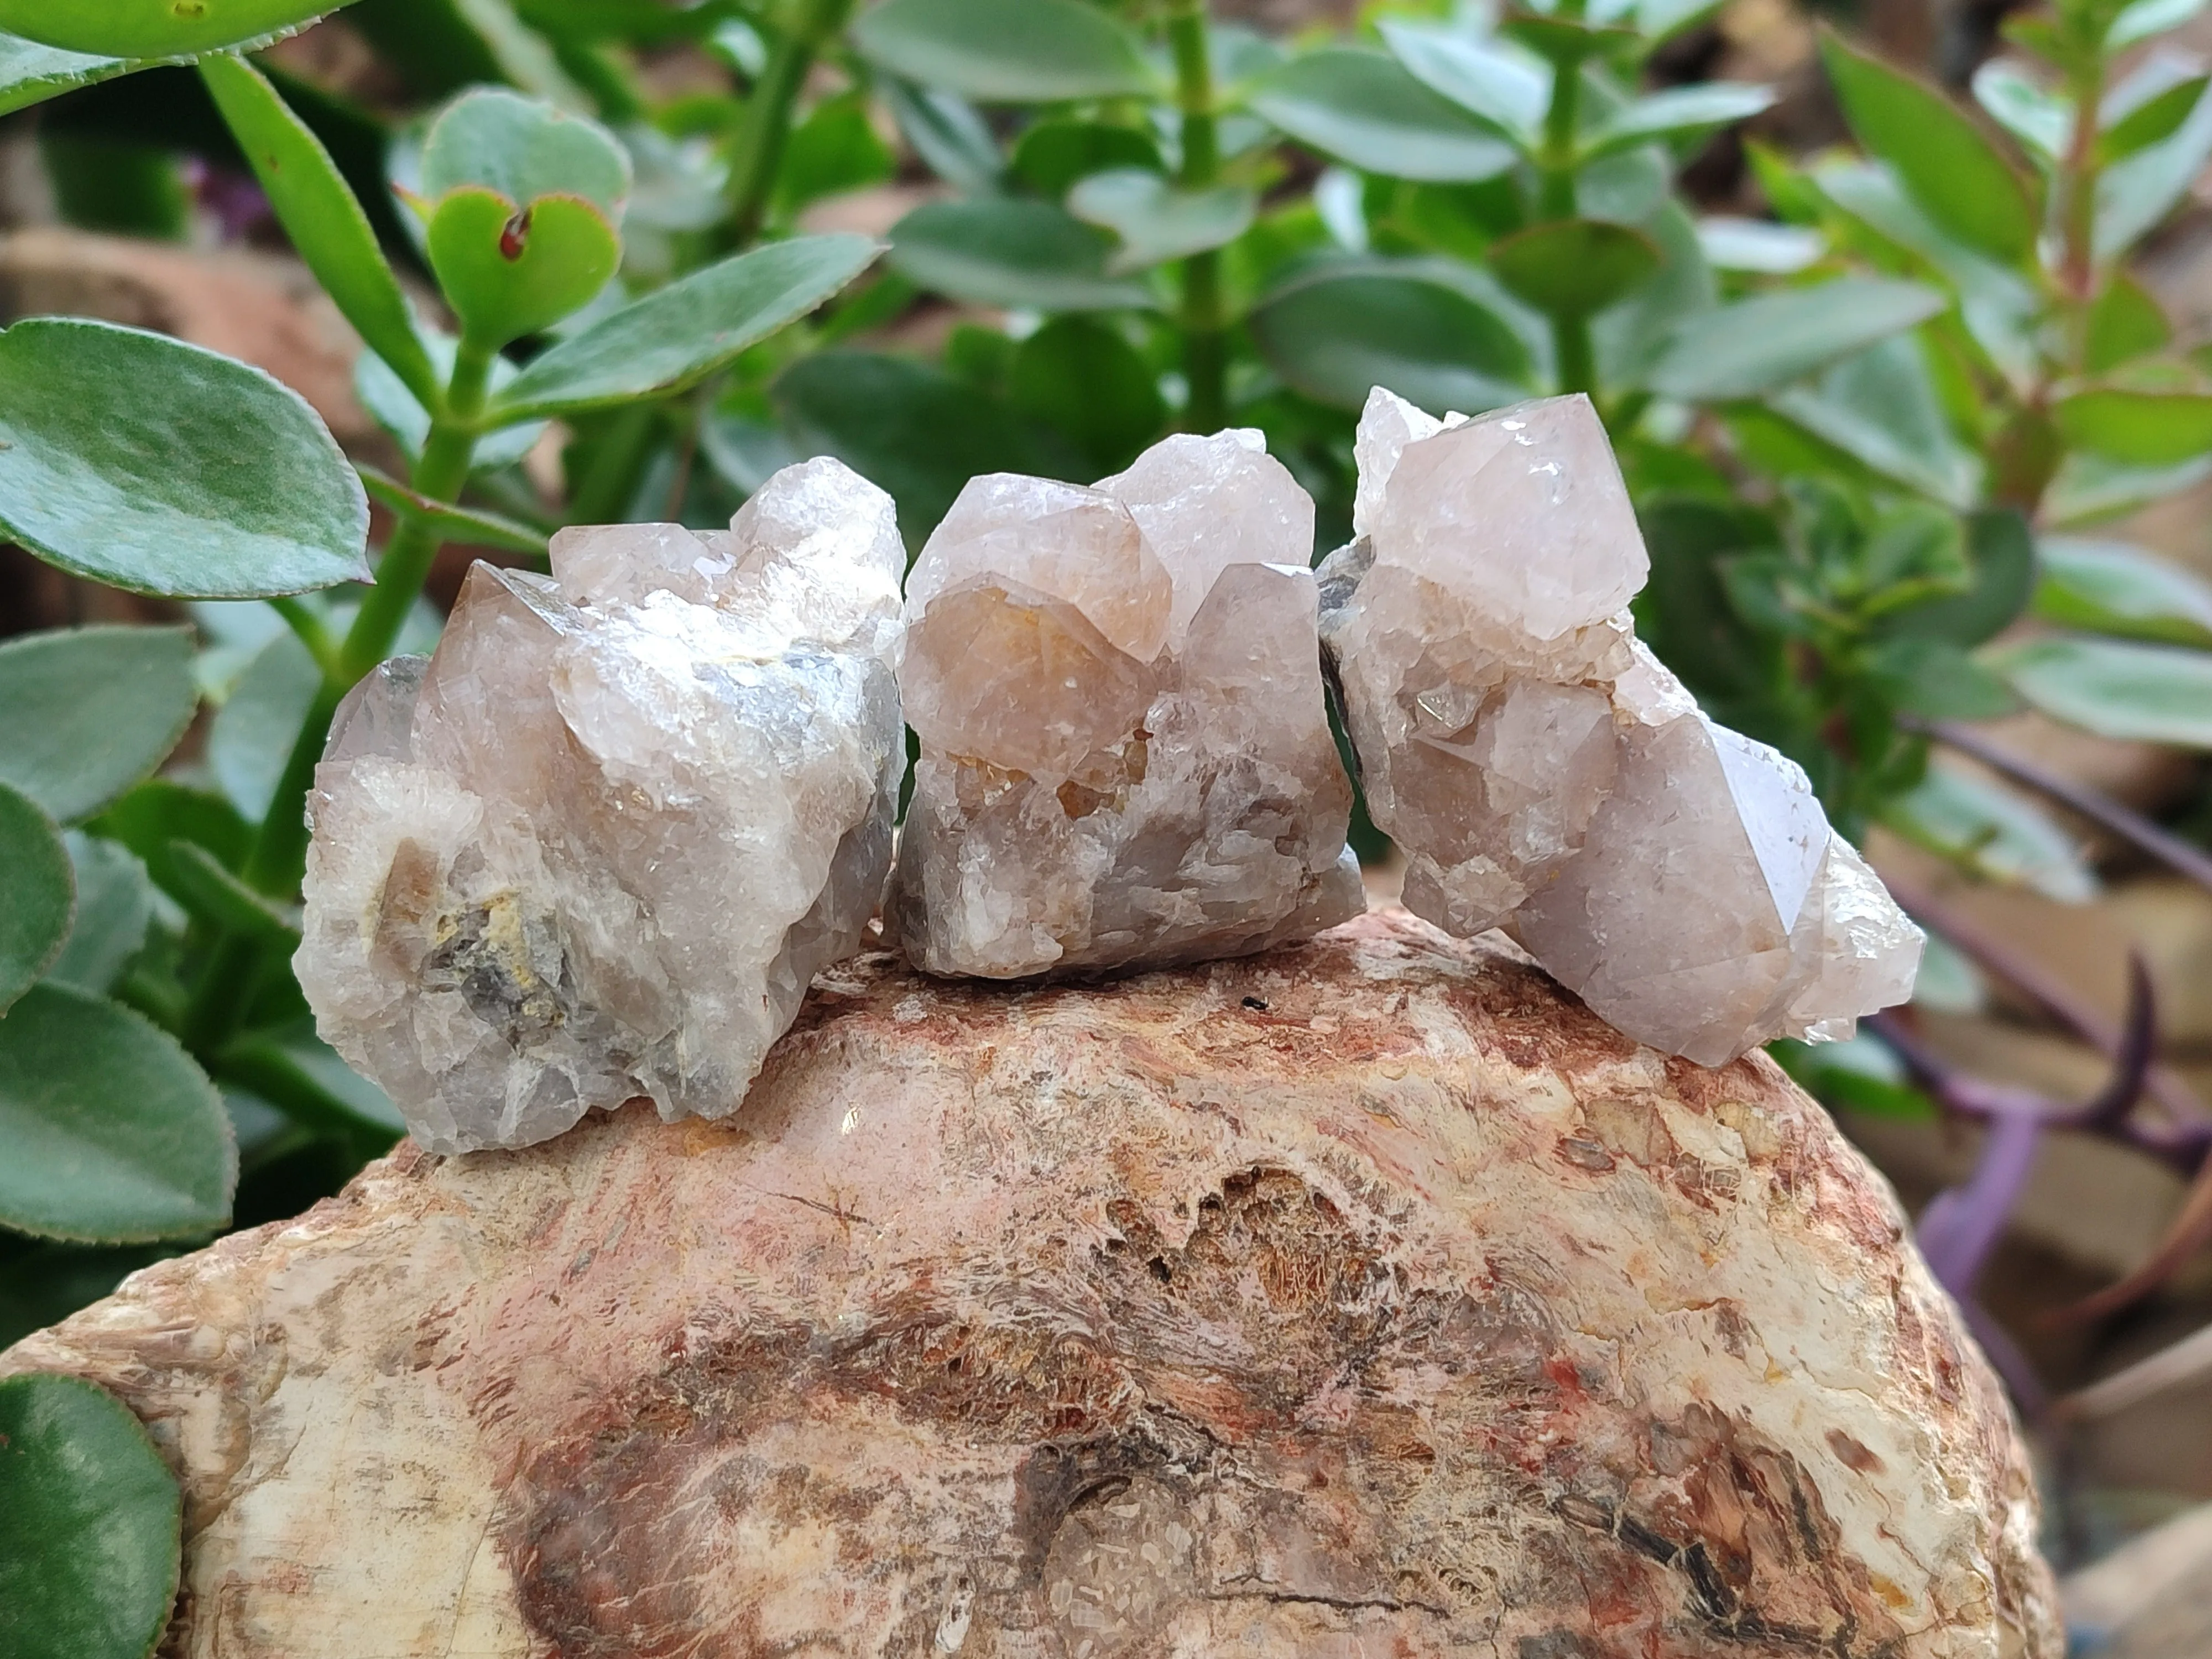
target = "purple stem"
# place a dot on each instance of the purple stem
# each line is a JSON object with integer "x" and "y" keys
{"x": 1961, "y": 1225}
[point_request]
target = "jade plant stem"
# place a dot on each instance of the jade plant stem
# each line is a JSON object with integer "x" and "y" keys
{"x": 756, "y": 143}
{"x": 1204, "y": 329}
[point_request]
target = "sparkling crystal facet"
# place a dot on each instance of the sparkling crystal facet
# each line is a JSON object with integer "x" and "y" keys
{"x": 599, "y": 844}
{"x": 1544, "y": 773}
{"x": 1125, "y": 757}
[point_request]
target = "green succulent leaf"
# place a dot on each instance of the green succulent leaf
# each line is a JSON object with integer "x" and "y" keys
{"x": 154, "y": 28}
{"x": 677, "y": 336}
{"x": 1754, "y": 345}
{"x": 1937, "y": 680}
{"x": 2125, "y": 322}
{"x": 90, "y": 1524}
{"x": 2148, "y": 17}
{"x": 2153, "y": 121}
{"x": 523, "y": 148}
{"x": 112, "y": 1133}
{"x": 947, "y": 132}
{"x": 91, "y": 711}
{"x": 1006, "y": 252}
{"x": 1954, "y": 173}
{"x": 2108, "y": 587}
{"x": 509, "y": 272}
{"x": 31, "y": 73}
{"x": 205, "y": 887}
{"x": 114, "y": 903}
{"x": 2000, "y": 836}
{"x": 141, "y": 461}
{"x": 38, "y": 894}
{"x": 321, "y": 216}
{"x": 1336, "y": 334}
{"x": 1369, "y": 112}
{"x": 2143, "y": 429}
{"x": 2139, "y": 693}
{"x": 2136, "y": 194}
{"x": 1006, "y": 51}
{"x": 2042, "y": 121}
{"x": 252, "y": 734}
{"x": 1573, "y": 267}
{"x": 835, "y": 150}
{"x": 1677, "y": 113}
{"x": 1155, "y": 220}
{"x": 2002, "y": 560}
{"x": 1505, "y": 90}
{"x": 1051, "y": 155}
{"x": 1083, "y": 379}
{"x": 1880, "y": 407}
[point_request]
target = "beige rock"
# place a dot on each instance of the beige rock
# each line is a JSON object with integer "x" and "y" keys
{"x": 1366, "y": 1298}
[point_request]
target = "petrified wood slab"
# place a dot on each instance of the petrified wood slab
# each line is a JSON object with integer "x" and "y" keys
{"x": 1366, "y": 1298}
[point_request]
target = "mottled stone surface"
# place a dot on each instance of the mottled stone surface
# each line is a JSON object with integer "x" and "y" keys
{"x": 1544, "y": 773}
{"x": 1365, "y": 1298}
{"x": 599, "y": 844}
{"x": 1125, "y": 758}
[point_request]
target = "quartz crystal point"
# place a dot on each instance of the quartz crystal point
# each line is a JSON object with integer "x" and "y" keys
{"x": 1543, "y": 772}
{"x": 597, "y": 845}
{"x": 1125, "y": 754}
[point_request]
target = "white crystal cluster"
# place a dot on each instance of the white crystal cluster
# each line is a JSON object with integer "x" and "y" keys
{"x": 1125, "y": 754}
{"x": 597, "y": 845}
{"x": 1544, "y": 773}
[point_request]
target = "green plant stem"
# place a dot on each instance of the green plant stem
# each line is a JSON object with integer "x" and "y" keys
{"x": 1205, "y": 327}
{"x": 1573, "y": 361}
{"x": 2077, "y": 176}
{"x": 764, "y": 123}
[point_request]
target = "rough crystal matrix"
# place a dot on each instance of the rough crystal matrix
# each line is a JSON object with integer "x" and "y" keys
{"x": 1125, "y": 757}
{"x": 1543, "y": 772}
{"x": 597, "y": 845}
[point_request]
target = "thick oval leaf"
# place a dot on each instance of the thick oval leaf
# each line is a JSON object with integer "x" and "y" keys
{"x": 2000, "y": 836}
{"x": 1677, "y": 113}
{"x": 682, "y": 333}
{"x": 1006, "y": 252}
{"x": 1336, "y": 336}
{"x": 1087, "y": 382}
{"x": 113, "y": 1133}
{"x": 947, "y": 132}
{"x": 2108, "y": 587}
{"x": 154, "y": 28}
{"x": 253, "y": 730}
{"x": 30, "y": 73}
{"x": 1754, "y": 345}
{"x": 114, "y": 902}
{"x": 38, "y": 894}
{"x": 89, "y": 1523}
{"x": 2134, "y": 196}
{"x": 1504, "y": 89}
{"x": 1156, "y": 221}
{"x": 507, "y": 273}
{"x": 1368, "y": 111}
{"x": 523, "y": 148}
{"x": 1051, "y": 155}
{"x": 320, "y": 214}
{"x": 2143, "y": 693}
{"x": 1006, "y": 51}
{"x": 154, "y": 465}
{"x": 1955, "y": 175}
{"x": 1573, "y": 267}
{"x": 2143, "y": 429}
{"x": 90, "y": 711}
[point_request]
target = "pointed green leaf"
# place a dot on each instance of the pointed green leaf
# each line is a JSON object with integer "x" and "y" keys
{"x": 1368, "y": 111}
{"x": 319, "y": 213}
{"x": 2138, "y": 693}
{"x": 2153, "y": 121}
{"x": 2000, "y": 836}
{"x": 678, "y": 335}
{"x": 1335, "y": 335}
{"x": 2125, "y": 322}
{"x": 112, "y": 1133}
{"x": 155, "y": 29}
{"x": 2148, "y": 17}
{"x": 1507, "y": 91}
{"x": 1629, "y": 336}
{"x": 30, "y": 73}
{"x": 1018, "y": 51}
{"x": 523, "y": 148}
{"x": 2002, "y": 557}
{"x": 1754, "y": 345}
{"x": 1954, "y": 173}
{"x": 947, "y": 132}
{"x": 37, "y": 895}
{"x": 2135, "y": 195}
{"x": 472, "y": 526}
{"x": 90, "y": 711}
{"x": 507, "y": 272}
{"x": 2042, "y": 121}
{"x": 199, "y": 882}
{"x": 1937, "y": 680}
{"x": 1676, "y": 112}
{"x": 1006, "y": 252}
{"x": 2143, "y": 429}
{"x": 2108, "y": 587}
{"x": 154, "y": 465}
{"x": 1155, "y": 220}
{"x": 114, "y": 902}
{"x": 1573, "y": 267}
{"x": 90, "y": 1524}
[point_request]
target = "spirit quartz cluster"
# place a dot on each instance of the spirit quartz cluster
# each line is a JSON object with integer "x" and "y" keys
{"x": 597, "y": 845}
{"x": 1544, "y": 773}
